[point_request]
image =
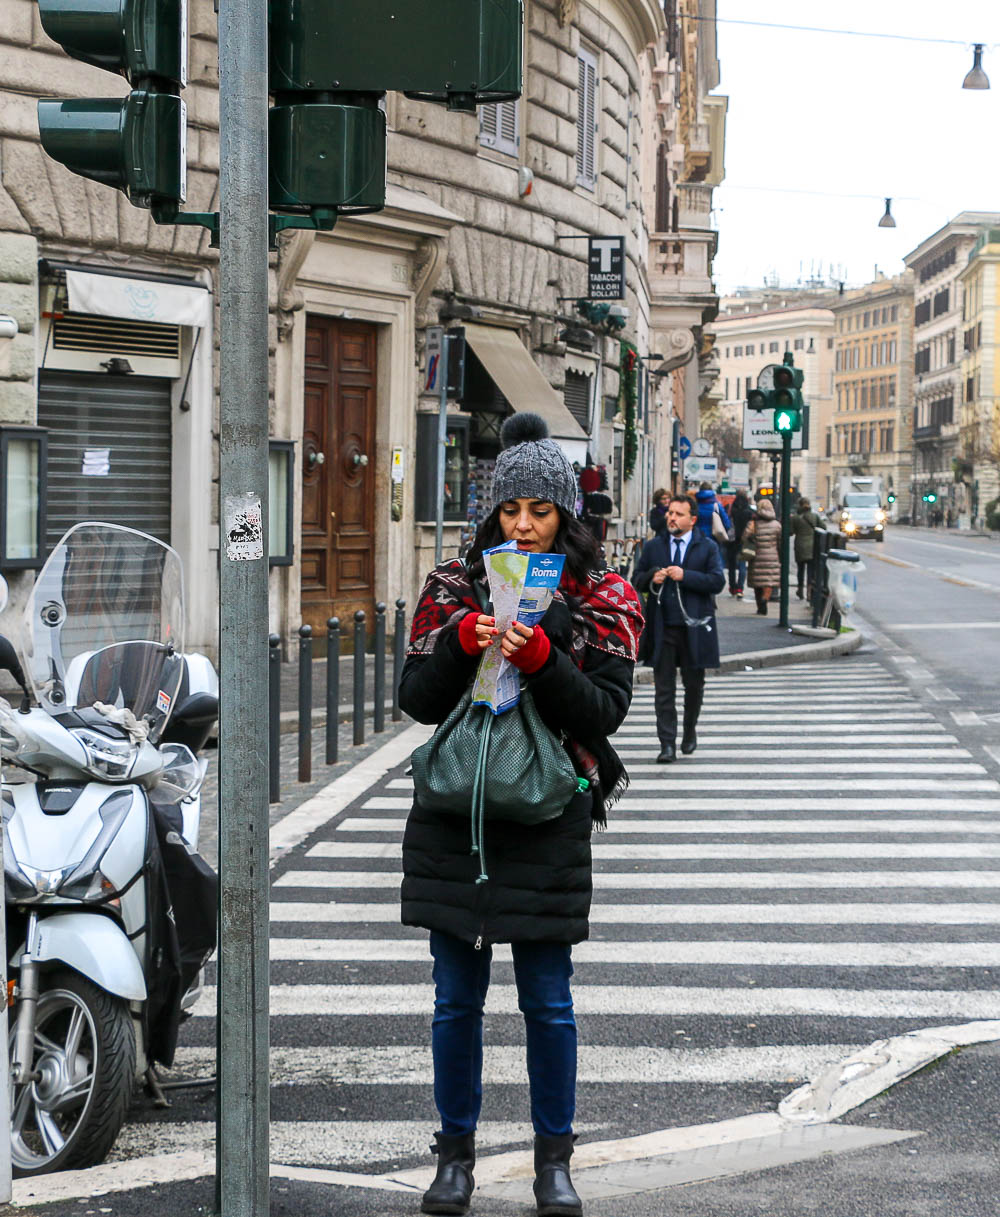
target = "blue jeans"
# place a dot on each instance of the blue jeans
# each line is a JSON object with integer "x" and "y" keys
{"x": 542, "y": 971}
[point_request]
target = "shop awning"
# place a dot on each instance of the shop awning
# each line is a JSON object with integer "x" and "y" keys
{"x": 520, "y": 380}
{"x": 138, "y": 299}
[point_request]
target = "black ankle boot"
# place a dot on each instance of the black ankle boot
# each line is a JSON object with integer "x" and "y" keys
{"x": 554, "y": 1193}
{"x": 451, "y": 1190}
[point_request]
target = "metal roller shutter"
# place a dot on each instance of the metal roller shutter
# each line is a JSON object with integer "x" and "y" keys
{"x": 117, "y": 424}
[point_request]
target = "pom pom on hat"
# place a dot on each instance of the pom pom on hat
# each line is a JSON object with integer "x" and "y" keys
{"x": 522, "y": 429}
{"x": 532, "y": 466}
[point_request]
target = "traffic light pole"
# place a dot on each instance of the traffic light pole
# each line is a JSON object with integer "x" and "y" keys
{"x": 786, "y": 515}
{"x": 243, "y": 1091}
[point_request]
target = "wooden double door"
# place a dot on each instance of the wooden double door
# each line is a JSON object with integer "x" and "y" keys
{"x": 338, "y": 473}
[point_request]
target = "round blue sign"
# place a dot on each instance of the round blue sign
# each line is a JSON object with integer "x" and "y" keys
{"x": 684, "y": 448}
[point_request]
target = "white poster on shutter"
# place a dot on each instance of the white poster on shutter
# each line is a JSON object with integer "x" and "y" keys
{"x": 96, "y": 462}
{"x": 137, "y": 299}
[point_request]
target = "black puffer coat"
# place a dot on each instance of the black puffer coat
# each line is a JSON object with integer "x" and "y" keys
{"x": 540, "y": 883}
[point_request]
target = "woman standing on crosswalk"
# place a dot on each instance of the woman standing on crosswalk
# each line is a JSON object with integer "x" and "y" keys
{"x": 578, "y": 664}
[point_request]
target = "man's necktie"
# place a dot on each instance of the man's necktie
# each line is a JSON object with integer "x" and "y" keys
{"x": 677, "y": 553}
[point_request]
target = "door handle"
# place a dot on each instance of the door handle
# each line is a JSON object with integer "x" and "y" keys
{"x": 333, "y": 515}
{"x": 315, "y": 458}
{"x": 359, "y": 458}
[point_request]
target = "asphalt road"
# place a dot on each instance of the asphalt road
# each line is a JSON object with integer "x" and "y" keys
{"x": 936, "y": 595}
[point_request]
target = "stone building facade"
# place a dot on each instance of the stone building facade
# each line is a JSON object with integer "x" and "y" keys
{"x": 979, "y": 421}
{"x": 872, "y": 426}
{"x": 615, "y": 136}
{"x": 939, "y": 346}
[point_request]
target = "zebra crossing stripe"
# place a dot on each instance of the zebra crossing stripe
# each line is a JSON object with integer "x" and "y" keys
{"x": 688, "y": 880}
{"x": 710, "y": 851}
{"x": 840, "y": 913}
{"x": 319, "y": 1001}
{"x": 643, "y": 954}
{"x": 633, "y": 803}
{"x": 746, "y": 827}
{"x": 411, "y": 1065}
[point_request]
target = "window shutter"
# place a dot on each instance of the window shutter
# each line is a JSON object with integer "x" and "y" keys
{"x": 577, "y": 395}
{"x": 498, "y": 127}
{"x": 586, "y": 121}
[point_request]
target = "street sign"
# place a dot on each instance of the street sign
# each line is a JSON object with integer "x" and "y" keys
{"x": 434, "y": 335}
{"x": 684, "y": 448}
{"x": 701, "y": 469}
{"x": 739, "y": 474}
{"x": 606, "y": 268}
{"x": 759, "y": 432}
{"x": 701, "y": 447}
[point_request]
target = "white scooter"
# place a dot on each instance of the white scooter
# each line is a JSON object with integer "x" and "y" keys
{"x": 111, "y": 913}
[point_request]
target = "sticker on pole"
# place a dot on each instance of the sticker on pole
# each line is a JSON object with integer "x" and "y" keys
{"x": 244, "y": 528}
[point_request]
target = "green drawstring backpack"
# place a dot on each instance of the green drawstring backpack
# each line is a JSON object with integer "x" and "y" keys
{"x": 490, "y": 766}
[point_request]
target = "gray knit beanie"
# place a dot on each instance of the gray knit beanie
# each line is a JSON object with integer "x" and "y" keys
{"x": 532, "y": 466}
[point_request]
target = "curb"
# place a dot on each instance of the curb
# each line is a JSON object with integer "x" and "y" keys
{"x": 809, "y": 652}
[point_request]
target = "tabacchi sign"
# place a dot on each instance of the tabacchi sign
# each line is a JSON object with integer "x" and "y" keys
{"x": 606, "y": 268}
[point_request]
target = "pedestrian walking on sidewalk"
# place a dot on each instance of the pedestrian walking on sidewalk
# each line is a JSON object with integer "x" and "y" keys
{"x": 765, "y": 565}
{"x": 681, "y": 572}
{"x": 712, "y": 518}
{"x": 741, "y": 513}
{"x": 578, "y": 664}
{"x": 658, "y": 512}
{"x": 804, "y": 523}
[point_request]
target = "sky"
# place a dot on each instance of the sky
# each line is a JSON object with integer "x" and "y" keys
{"x": 844, "y": 116}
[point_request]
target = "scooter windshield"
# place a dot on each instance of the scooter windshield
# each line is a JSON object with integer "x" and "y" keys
{"x": 105, "y": 624}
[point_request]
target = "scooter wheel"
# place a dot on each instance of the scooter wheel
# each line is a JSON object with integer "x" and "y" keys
{"x": 84, "y": 1062}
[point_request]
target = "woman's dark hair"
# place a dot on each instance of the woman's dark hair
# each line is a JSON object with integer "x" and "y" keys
{"x": 573, "y": 538}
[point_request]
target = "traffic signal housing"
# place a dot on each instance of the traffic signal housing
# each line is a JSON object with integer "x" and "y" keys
{"x": 786, "y": 398}
{"x": 331, "y": 64}
{"x": 136, "y": 144}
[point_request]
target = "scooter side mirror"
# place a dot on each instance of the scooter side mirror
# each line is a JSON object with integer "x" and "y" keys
{"x": 10, "y": 663}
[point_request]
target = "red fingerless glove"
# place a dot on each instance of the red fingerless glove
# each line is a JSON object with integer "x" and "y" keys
{"x": 532, "y": 656}
{"x": 467, "y": 634}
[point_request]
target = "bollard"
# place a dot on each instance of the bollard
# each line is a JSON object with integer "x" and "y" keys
{"x": 398, "y": 656}
{"x": 378, "y": 723}
{"x": 305, "y": 703}
{"x": 359, "y": 677}
{"x": 274, "y": 718}
{"x": 332, "y": 690}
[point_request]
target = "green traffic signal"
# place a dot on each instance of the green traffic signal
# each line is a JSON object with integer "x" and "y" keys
{"x": 136, "y": 144}
{"x": 787, "y": 419}
{"x": 891, "y": 497}
{"x": 930, "y": 498}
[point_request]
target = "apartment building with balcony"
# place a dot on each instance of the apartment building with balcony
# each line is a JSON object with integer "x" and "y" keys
{"x": 940, "y": 343}
{"x": 873, "y": 386}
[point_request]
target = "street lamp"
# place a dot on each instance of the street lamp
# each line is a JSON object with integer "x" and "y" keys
{"x": 976, "y": 77}
{"x": 887, "y": 221}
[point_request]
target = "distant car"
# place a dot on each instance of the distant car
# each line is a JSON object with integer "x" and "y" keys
{"x": 862, "y": 515}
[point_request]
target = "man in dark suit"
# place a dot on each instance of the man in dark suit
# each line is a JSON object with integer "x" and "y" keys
{"x": 681, "y": 571}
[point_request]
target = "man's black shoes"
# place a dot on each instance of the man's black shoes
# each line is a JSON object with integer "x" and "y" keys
{"x": 668, "y": 753}
{"x": 689, "y": 742}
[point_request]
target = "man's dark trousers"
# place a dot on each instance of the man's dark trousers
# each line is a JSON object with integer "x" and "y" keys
{"x": 674, "y": 654}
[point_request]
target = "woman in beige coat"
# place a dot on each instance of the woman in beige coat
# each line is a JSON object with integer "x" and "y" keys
{"x": 765, "y": 567}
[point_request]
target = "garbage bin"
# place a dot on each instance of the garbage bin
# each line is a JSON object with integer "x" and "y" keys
{"x": 843, "y": 568}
